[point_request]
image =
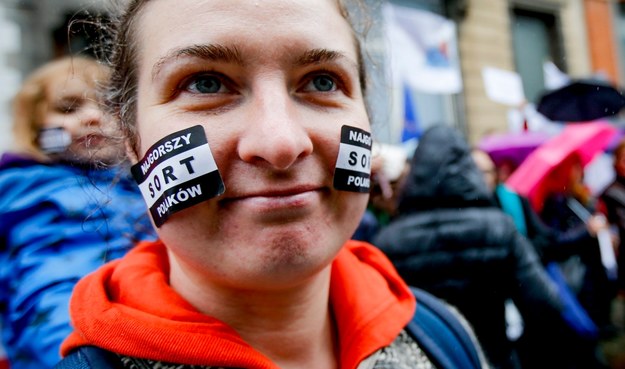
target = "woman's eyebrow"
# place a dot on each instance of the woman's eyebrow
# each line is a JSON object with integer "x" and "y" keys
{"x": 231, "y": 54}
{"x": 316, "y": 56}
{"x": 212, "y": 52}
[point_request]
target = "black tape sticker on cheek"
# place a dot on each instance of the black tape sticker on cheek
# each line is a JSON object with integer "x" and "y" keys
{"x": 177, "y": 172}
{"x": 353, "y": 164}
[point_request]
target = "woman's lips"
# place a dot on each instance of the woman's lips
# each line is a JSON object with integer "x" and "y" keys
{"x": 283, "y": 203}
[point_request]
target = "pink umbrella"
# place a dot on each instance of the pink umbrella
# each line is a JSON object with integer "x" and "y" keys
{"x": 512, "y": 147}
{"x": 585, "y": 139}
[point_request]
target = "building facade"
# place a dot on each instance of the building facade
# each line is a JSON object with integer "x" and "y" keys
{"x": 580, "y": 37}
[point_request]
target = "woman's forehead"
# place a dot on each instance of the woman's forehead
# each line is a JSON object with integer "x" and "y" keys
{"x": 167, "y": 25}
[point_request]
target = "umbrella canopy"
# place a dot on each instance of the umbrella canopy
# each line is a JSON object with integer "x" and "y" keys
{"x": 581, "y": 101}
{"x": 585, "y": 140}
{"x": 512, "y": 147}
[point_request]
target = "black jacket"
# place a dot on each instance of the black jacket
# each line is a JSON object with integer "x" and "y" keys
{"x": 453, "y": 241}
{"x": 613, "y": 198}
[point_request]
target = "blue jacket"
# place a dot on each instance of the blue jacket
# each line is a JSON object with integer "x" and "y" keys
{"x": 58, "y": 222}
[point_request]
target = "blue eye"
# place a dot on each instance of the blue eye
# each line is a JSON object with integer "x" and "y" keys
{"x": 323, "y": 83}
{"x": 206, "y": 84}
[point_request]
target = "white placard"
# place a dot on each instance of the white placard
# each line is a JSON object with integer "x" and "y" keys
{"x": 503, "y": 86}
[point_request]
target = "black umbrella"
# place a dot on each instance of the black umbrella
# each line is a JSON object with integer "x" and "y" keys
{"x": 581, "y": 101}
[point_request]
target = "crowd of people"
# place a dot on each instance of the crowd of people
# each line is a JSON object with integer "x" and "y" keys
{"x": 212, "y": 196}
{"x": 459, "y": 231}
{"x": 451, "y": 239}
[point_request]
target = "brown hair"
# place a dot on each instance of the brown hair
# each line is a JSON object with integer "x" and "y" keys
{"x": 122, "y": 91}
{"x": 31, "y": 101}
{"x": 619, "y": 150}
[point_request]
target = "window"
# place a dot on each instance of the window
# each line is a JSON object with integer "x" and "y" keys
{"x": 536, "y": 39}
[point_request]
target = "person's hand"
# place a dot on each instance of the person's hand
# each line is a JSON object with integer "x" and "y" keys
{"x": 377, "y": 162}
{"x": 378, "y": 176}
{"x": 616, "y": 241}
{"x": 596, "y": 223}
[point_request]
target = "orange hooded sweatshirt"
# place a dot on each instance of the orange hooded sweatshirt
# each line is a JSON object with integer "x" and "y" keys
{"x": 128, "y": 307}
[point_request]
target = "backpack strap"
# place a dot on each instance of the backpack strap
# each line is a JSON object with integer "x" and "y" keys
{"x": 441, "y": 335}
{"x": 90, "y": 357}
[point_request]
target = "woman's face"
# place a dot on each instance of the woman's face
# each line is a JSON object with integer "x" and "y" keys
{"x": 72, "y": 105}
{"x": 272, "y": 82}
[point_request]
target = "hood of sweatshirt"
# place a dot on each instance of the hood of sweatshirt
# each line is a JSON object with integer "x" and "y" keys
{"x": 443, "y": 174}
{"x": 128, "y": 307}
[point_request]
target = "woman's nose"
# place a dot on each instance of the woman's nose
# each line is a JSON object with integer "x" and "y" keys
{"x": 275, "y": 133}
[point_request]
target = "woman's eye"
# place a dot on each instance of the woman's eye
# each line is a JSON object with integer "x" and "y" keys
{"x": 206, "y": 84}
{"x": 322, "y": 83}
